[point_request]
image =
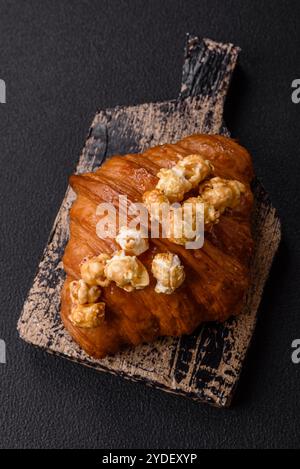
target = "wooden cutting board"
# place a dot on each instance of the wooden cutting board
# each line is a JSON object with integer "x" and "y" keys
{"x": 204, "y": 366}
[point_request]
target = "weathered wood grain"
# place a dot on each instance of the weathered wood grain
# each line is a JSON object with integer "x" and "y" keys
{"x": 206, "y": 365}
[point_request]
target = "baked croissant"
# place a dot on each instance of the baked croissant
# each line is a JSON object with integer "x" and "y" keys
{"x": 213, "y": 279}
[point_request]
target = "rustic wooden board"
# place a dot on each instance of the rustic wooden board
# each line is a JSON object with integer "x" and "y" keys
{"x": 204, "y": 366}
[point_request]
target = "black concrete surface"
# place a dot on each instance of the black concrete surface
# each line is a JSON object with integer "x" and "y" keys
{"x": 61, "y": 61}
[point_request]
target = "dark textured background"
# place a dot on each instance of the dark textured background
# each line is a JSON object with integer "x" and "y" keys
{"x": 62, "y": 60}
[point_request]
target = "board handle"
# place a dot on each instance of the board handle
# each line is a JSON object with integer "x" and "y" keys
{"x": 208, "y": 67}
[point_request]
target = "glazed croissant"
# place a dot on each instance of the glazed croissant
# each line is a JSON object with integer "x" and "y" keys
{"x": 104, "y": 310}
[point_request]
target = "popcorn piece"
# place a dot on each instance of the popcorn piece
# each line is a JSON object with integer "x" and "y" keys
{"x": 127, "y": 272}
{"x": 179, "y": 230}
{"x": 90, "y": 315}
{"x": 222, "y": 193}
{"x": 156, "y": 203}
{"x": 184, "y": 224}
{"x": 168, "y": 271}
{"x": 132, "y": 241}
{"x": 155, "y": 197}
{"x": 173, "y": 183}
{"x": 211, "y": 215}
{"x": 92, "y": 270}
{"x": 195, "y": 168}
{"x": 82, "y": 293}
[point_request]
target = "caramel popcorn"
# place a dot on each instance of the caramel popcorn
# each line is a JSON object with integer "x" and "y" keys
{"x": 195, "y": 168}
{"x": 179, "y": 231}
{"x": 156, "y": 203}
{"x": 210, "y": 214}
{"x": 183, "y": 225}
{"x": 173, "y": 183}
{"x": 127, "y": 272}
{"x": 89, "y": 315}
{"x": 92, "y": 270}
{"x": 168, "y": 271}
{"x": 222, "y": 193}
{"x": 154, "y": 197}
{"x": 132, "y": 241}
{"x": 82, "y": 293}
{"x": 181, "y": 178}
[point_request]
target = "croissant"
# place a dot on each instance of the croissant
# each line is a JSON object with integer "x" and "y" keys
{"x": 215, "y": 278}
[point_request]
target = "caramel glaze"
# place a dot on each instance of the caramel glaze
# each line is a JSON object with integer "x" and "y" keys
{"x": 217, "y": 276}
